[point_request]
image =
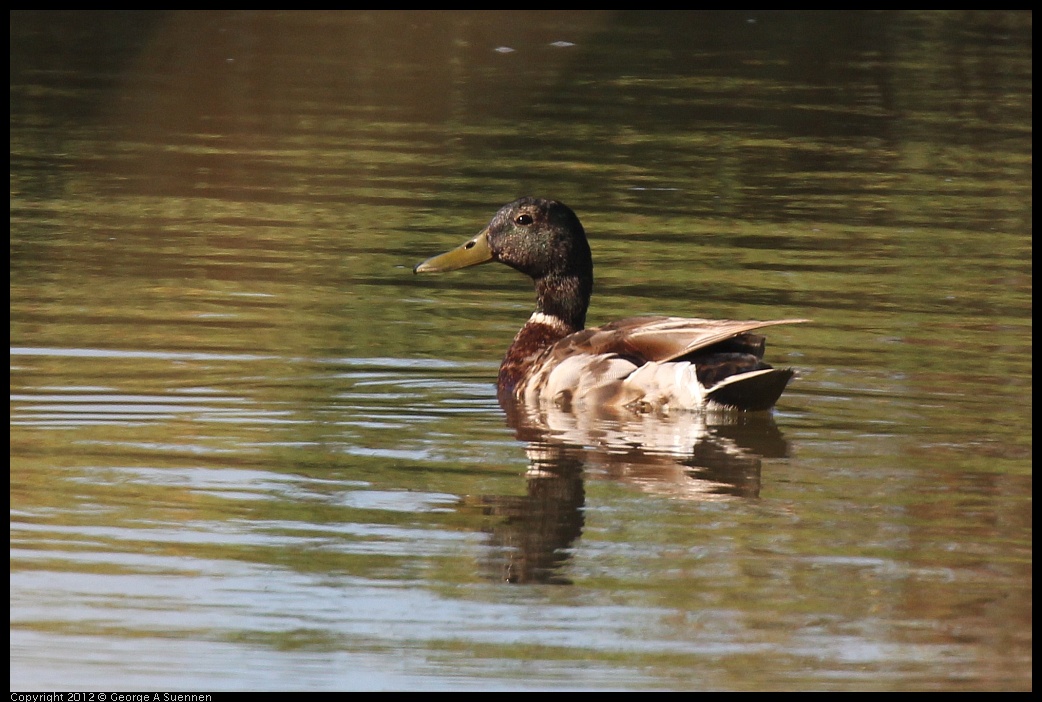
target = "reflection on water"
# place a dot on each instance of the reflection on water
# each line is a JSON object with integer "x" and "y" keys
{"x": 685, "y": 455}
{"x": 250, "y": 450}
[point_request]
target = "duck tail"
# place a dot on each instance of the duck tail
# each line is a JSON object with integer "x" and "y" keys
{"x": 753, "y": 392}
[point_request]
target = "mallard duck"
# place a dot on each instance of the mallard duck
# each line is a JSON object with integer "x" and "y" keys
{"x": 652, "y": 363}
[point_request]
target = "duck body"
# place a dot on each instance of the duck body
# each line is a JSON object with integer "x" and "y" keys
{"x": 643, "y": 364}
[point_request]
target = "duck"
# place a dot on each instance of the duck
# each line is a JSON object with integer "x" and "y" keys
{"x": 642, "y": 364}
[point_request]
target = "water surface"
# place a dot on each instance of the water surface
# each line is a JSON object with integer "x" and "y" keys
{"x": 250, "y": 450}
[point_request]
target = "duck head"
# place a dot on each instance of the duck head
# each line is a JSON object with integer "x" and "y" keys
{"x": 542, "y": 239}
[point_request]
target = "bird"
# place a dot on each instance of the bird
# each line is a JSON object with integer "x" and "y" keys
{"x": 642, "y": 364}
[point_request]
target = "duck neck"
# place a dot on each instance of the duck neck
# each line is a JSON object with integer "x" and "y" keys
{"x": 564, "y": 297}
{"x": 561, "y": 303}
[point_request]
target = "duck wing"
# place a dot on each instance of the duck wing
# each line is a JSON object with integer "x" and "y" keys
{"x": 655, "y": 362}
{"x": 666, "y": 338}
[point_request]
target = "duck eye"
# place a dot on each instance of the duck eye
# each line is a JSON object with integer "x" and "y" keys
{"x": 523, "y": 219}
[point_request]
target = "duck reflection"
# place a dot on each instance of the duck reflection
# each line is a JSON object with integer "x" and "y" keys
{"x": 687, "y": 455}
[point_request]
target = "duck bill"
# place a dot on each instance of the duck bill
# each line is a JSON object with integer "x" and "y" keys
{"x": 471, "y": 253}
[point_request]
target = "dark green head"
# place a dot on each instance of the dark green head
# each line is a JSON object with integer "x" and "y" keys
{"x": 544, "y": 240}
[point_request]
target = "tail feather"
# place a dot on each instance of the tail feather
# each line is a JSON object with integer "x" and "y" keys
{"x": 754, "y": 391}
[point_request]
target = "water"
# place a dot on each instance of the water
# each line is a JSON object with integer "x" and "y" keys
{"x": 250, "y": 450}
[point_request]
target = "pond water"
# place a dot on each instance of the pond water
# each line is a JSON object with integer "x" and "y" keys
{"x": 251, "y": 450}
